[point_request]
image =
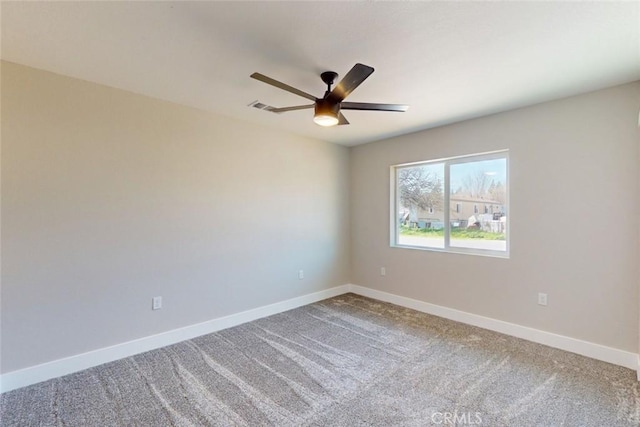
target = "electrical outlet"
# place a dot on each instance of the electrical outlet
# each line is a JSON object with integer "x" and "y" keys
{"x": 156, "y": 303}
{"x": 383, "y": 271}
{"x": 542, "y": 298}
{"x": 300, "y": 274}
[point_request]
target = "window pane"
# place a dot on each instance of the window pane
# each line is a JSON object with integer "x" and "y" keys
{"x": 420, "y": 205}
{"x": 478, "y": 190}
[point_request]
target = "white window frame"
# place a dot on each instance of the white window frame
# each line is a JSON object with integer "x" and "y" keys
{"x": 394, "y": 208}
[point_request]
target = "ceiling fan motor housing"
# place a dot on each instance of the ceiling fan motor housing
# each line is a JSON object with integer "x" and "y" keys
{"x": 327, "y": 107}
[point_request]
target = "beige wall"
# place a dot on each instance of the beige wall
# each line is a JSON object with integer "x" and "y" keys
{"x": 110, "y": 198}
{"x": 563, "y": 155}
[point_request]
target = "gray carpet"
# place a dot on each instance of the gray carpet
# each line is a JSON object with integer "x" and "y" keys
{"x": 345, "y": 361}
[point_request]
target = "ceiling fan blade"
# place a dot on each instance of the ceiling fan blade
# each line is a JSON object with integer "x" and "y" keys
{"x": 352, "y": 80}
{"x": 342, "y": 120}
{"x": 285, "y": 109}
{"x": 373, "y": 107}
{"x": 280, "y": 85}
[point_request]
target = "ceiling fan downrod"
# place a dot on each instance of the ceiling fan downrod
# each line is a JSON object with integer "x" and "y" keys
{"x": 329, "y": 77}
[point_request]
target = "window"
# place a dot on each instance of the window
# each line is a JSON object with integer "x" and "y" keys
{"x": 436, "y": 204}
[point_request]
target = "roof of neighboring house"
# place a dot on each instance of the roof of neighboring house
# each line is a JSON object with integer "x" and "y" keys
{"x": 462, "y": 198}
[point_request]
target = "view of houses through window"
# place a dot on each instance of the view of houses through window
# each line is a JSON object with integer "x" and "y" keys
{"x": 457, "y": 204}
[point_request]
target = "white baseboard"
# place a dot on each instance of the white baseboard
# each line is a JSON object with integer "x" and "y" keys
{"x": 584, "y": 348}
{"x": 68, "y": 365}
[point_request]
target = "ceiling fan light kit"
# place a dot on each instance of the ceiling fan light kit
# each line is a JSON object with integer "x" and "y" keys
{"x": 327, "y": 109}
{"x": 326, "y": 113}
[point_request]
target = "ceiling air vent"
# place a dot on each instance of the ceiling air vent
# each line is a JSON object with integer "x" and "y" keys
{"x": 259, "y": 105}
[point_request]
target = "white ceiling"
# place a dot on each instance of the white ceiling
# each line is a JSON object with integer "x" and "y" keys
{"x": 449, "y": 61}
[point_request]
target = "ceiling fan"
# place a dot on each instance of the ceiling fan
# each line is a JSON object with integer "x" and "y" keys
{"x": 328, "y": 108}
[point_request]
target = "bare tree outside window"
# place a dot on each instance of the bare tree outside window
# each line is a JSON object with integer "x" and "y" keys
{"x": 419, "y": 189}
{"x": 476, "y": 183}
{"x": 497, "y": 192}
